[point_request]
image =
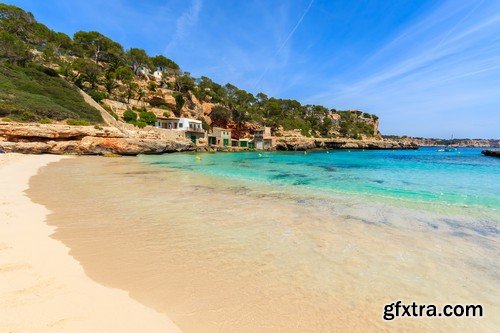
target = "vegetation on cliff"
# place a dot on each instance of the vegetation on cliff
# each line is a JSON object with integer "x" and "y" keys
{"x": 32, "y": 94}
{"x": 101, "y": 67}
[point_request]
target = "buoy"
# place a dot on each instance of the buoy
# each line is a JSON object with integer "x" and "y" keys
{"x": 198, "y": 158}
{"x": 260, "y": 155}
{"x": 328, "y": 152}
{"x": 305, "y": 152}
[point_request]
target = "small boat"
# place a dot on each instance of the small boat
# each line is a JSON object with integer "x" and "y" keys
{"x": 449, "y": 148}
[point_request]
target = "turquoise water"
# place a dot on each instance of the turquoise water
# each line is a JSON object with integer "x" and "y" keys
{"x": 464, "y": 178}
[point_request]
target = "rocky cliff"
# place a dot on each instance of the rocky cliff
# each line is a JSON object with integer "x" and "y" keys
{"x": 85, "y": 140}
{"x": 494, "y": 143}
{"x": 302, "y": 143}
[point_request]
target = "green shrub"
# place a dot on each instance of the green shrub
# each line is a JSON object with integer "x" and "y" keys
{"x": 179, "y": 101}
{"x": 140, "y": 124}
{"x": 147, "y": 117}
{"x": 139, "y": 109}
{"x": 129, "y": 116}
{"x": 97, "y": 95}
{"x": 28, "y": 116}
{"x": 152, "y": 86}
{"x": 45, "y": 121}
{"x": 77, "y": 122}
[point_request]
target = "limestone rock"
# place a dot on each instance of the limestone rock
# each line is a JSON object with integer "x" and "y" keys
{"x": 16, "y": 131}
{"x": 305, "y": 143}
{"x": 97, "y": 146}
{"x": 87, "y": 140}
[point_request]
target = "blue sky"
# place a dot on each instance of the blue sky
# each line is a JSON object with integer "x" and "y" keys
{"x": 427, "y": 68}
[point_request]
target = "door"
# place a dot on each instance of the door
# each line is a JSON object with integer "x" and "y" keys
{"x": 226, "y": 142}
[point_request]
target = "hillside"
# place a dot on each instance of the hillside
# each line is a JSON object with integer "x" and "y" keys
{"x": 38, "y": 95}
{"x": 136, "y": 87}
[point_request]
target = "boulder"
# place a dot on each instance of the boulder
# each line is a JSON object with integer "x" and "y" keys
{"x": 493, "y": 153}
{"x": 25, "y": 147}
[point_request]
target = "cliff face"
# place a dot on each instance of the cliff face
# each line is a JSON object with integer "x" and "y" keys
{"x": 85, "y": 140}
{"x": 302, "y": 143}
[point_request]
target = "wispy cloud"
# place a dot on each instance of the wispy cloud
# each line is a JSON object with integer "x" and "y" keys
{"x": 452, "y": 53}
{"x": 285, "y": 41}
{"x": 187, "y": 20}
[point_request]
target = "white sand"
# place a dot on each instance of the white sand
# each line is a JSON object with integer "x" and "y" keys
{"x": 42, "y": 288}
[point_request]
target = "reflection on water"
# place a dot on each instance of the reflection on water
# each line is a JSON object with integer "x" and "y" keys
{"x": 247, "y": 257}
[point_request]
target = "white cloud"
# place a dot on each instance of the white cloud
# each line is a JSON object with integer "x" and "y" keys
{"x": 187, "y": 20}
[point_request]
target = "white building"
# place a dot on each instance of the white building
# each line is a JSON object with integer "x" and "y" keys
{"x": 158, "y": 75}
{"x": 193, "y": 128}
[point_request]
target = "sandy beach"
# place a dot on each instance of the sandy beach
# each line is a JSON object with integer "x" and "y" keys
{"x": 218, "y": 255}
{"x": 42, "y": 288}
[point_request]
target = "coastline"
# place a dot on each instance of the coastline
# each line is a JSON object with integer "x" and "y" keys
{"x": 40, "y": 281}
{"x": 85, "y": 140}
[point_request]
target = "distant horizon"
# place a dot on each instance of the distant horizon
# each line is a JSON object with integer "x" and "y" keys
{"x": 427, "y": 69}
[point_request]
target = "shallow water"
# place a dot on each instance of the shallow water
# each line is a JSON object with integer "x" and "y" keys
{"x": 463, "y": 178}
{"x": 250, "y": 251}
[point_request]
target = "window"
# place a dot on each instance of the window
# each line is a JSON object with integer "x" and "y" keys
{"x": 180, "y": 125}
{"x": 175, "y": 125}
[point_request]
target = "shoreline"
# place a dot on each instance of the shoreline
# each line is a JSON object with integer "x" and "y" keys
{"x": 85, "y": 140}
{"x": 210, "y": 271}
{"x": 41, "y": 281}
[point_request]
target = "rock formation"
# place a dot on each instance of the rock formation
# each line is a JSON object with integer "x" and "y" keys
{"x": 303, "y": 143}
{"x": 86, "y": 140}
{"x": 493, "y": 153}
